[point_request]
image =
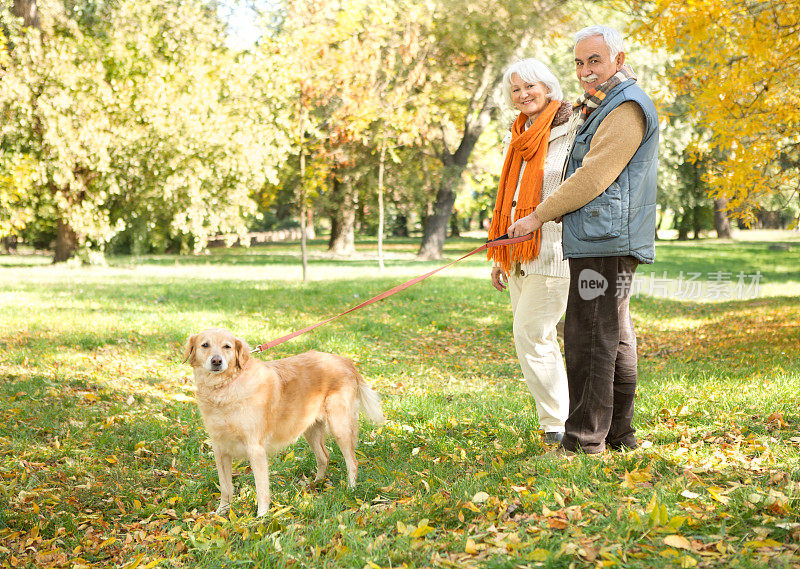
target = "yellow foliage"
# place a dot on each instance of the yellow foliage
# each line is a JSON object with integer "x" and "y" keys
{"x": 736, "y": 61}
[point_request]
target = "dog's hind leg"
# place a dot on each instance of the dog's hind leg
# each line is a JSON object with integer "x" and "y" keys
{"x": 260, "y": 468}
{"x": 343, "y": 423}
{"x": 225, "y": 474}
{"x": 315, "y": 435}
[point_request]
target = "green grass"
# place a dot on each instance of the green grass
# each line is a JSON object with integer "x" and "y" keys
{"x": 104, "y": 462}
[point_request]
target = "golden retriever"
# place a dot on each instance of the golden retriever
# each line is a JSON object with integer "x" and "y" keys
{"x": 253, "y": 408}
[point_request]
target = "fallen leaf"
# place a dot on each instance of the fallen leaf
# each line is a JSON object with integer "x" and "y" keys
{"x": 677, "y": 541}
{"x": 480, "y": 498}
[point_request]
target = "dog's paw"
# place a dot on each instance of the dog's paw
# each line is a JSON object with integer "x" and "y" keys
{"x": 262, "y": 512}
{"x": 223, "y": 509}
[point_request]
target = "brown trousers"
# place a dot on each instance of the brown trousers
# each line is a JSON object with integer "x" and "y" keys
{"x": 600, "y": 354}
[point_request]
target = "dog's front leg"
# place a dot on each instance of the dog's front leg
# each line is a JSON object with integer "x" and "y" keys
{"x": 260, "y": 468}
{"x": 225, "y": 474}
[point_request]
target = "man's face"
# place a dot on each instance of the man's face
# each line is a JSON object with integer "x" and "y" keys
{"x": 593, "y": 64}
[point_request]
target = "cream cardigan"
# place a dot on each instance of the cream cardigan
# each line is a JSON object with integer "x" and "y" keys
{"x": 550, "y": 261}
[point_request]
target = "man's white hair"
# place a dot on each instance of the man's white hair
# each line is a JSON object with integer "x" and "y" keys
{"x": 613, "y": 39}
{"x": 532, "y": 71}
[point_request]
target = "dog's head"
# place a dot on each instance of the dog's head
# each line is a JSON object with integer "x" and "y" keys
{"x": 216, "y": 351}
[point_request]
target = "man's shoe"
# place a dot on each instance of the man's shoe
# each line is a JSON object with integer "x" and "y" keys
{"x": 623, "y": 447}
{"x": 563, "y": 454}
{"x": 560, "y": 453}
{"x": 553, "y": 437}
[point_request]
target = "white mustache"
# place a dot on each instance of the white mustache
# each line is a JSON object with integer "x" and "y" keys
{"x": 590, "y": 78}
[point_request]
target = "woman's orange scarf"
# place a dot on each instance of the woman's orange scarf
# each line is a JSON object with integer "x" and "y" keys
{"x": 529, "y": 145}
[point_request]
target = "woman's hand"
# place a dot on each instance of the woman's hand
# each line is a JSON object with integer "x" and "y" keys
{"x": 524, "y": 226}
{"x": 499, "y": 279}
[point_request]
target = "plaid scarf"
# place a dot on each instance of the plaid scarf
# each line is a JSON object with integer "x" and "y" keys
{"x": 593, "y": 98}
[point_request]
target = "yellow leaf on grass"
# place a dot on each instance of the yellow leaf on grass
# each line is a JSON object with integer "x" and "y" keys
{"x": 470, "y": 547}
{"x": 539, "y": 554}
{"x": 135, "y": 563}
{"x": 678, "y": 542}
{"x": 480, "y": 498}
{"x": 715, "y": 493}
{"x": 677, "y": 521}
{"x": 112, "y": 459}
{"x": 762, "y": 543}
{"x": 422, "y": 529}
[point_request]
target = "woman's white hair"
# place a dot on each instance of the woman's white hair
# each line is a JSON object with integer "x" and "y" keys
{"x": 532, "y": 71}
{"x": 612, "y": 38}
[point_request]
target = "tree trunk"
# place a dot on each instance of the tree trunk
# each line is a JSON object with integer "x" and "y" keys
{"x": 28, "y": 11}
{"x": 342, "y": 240}
{"x": 455, "y": 228}
{"x": 66, "y": 243}
{"x": 696, "y": 217}
{"x": 435, "y": 230}
{"x": 310, "y": 231}
{"x": 381, "y": 168}
{"x": 659, "y": 222}
{"x": 683, "y": 223}
{"x": 10, "y": 244}
{"x": 721, "y": 222}
{"x": 303, "y": 216}
{"x": 400, "y": 225}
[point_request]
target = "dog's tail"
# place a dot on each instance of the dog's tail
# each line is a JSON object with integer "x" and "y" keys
{"x": 370, "y": 403}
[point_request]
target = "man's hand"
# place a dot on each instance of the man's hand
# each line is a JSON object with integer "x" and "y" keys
{"x": 499, "y": 279}
{"x": 524, "y": 226}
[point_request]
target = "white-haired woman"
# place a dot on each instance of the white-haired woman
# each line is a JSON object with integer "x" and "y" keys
{"x": 535, "y": 272}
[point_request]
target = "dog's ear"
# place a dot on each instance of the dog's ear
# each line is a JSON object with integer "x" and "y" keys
{"x": 189, "y": 350}
{"x": 242, "y": 353}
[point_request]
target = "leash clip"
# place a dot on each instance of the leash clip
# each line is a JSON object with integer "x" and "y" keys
{"x": 503, "y": 236}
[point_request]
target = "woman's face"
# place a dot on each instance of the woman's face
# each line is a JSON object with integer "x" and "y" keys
{"x": 528, "y": 98}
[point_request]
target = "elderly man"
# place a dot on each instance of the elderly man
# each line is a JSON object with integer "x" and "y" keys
{"x": 608, "y": 204}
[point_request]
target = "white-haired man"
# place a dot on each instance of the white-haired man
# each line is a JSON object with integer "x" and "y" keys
{"x": 608, "y": 204}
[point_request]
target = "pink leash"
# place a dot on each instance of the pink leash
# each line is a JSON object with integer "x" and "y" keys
{"x": 499, "y": 242}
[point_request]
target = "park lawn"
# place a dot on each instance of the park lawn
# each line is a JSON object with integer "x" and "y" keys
{"x": 104, "y": 462}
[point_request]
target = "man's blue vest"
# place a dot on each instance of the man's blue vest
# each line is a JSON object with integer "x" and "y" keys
{"x": 622, "y": 220}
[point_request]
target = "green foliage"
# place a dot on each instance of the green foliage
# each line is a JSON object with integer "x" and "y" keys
{"x": 141, "y": 127}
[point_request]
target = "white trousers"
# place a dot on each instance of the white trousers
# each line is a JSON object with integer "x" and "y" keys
{"x": 538, "y": 302}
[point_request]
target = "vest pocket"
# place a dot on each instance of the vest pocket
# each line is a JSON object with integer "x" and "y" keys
{"x": 601, "y": 218}
{"x": 580, "y": 147}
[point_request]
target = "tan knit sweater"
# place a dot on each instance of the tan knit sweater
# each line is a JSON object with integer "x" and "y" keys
{"x": 550, "y": 261}
{"x": 613, "y": 145}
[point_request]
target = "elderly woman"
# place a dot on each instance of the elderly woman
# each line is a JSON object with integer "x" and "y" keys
{"x": 536, "y": 149}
